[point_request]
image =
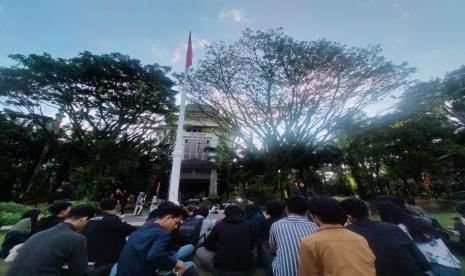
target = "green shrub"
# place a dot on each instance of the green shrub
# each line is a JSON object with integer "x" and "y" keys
{"x": 93, "y": 204}
{"x": 11, "y": 212}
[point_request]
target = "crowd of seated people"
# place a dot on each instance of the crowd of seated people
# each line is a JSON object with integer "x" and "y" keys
{"x": 315, "y": 235}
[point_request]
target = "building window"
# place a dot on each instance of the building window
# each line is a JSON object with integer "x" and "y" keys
{"x": 194, "y": 148}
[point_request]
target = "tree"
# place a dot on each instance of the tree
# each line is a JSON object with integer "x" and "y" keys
{"x": 111, "y": 104}
{"x": 272, "y": 90}
{"x": 110, "y": 95}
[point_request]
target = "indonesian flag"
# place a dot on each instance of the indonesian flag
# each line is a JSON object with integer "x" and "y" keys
{"x": 189, "y": 52}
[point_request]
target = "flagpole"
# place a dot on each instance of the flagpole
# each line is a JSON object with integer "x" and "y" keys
{"x": 179, "y": 146}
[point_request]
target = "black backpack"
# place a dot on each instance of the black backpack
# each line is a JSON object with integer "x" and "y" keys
{"x": 189, "y": 230}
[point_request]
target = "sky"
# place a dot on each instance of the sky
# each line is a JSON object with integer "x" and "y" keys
{"x": 428, "y": 34}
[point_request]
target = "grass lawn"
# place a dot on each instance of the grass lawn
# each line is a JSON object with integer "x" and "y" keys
{"x": 3, "y": 265}
{"x": 446, "y": 219}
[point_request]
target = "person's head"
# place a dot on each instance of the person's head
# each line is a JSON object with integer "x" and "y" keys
{"x": 275, "y": 208}
{"x": 251, "y": 201}
{"x": 80, "y": 215}
{"x": 392, "y": 213}
{"x": 203, "y": 211}
{"x": 461, "y": 208}
{"x": 325, "y": 210}
{"x": 354, "y": 209}
{"x": 34, "y": 215}
{"x": 169, "y": 218}
{"x": 191, "y": 211}
{"x": 296, "y": 205}
{"x": 118, "y": 191}
{"x": 108, "y": 205}
{"x": 393, "y": 199}
{"x": 302, "y": 184}
{"x": 233, "y": 211}
{"x": 165, "y": 204}
{"x": 60, "y": 208}
{"x": 141, "y": 194}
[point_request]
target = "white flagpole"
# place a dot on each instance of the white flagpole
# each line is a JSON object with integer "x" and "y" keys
{"x": 179, "y": 147}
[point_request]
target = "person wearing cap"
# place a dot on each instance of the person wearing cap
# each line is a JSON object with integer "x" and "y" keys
{"x": 106, "y": 234}
{"x": 47, "y": 252}
{"x": 59, "y": 210}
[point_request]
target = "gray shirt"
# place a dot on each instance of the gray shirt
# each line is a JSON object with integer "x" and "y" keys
{"x": 46, "y": 252}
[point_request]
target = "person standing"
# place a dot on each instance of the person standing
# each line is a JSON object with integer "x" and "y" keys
{"x": 395, "y": 253}
{"x": 46, "y": 252}
{"x": 121, "y": 198}
{"x": 139, "y": 204}
{"x": 106, "y": 234}
{"x": 333, "y": 250}
{"x": 285, "y": 236}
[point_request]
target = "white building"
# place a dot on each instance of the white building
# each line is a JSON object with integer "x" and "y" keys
{"x": 198, "y": 172}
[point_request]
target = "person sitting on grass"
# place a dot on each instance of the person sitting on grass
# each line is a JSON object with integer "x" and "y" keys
{"x": 46, "y": 252}
{"x": 59, "y": 210}
{"x": 395, "y": 252}
{"x": 146, "y": 251}
{"x": 106, "y": 234}
{"x": 275, "y": 211}
{"x": 425, "y": 237}
{"x": 285, "y": 236}
{"x": 19, "y": 233}
{"x": 228, "y": 248}
{"x": 333, "y": 250}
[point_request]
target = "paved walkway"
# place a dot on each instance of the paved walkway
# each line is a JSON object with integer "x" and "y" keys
{"x": 140, "y": 220}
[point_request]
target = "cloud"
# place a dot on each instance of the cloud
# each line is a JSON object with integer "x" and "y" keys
{"x": 200, "y": 43}
{"x": 176, "y": 56}
{"x": 235, "y": 15}
{"x": 399, "y": 41}
{"x": 405, "y": 15}
{"x": 1, "y": 8}
{"x": 158, "y": 52}
{"x": 433, "y": 54}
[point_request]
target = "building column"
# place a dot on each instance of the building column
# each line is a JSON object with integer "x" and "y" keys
{"x": 212, "y": 190}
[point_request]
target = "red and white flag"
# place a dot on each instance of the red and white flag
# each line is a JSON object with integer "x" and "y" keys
{"x": 189, "y": 52}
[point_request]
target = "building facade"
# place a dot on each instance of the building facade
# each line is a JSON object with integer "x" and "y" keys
{"x": 199, "y": 174}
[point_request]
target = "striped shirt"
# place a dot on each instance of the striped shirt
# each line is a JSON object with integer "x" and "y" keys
{"x": 286, "y": 234}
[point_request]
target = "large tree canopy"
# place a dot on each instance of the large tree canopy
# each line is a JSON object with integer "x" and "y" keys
{"x": 273, "y": 90}
{"x": 110, "y": 103}
{"x": 111, "y": 95}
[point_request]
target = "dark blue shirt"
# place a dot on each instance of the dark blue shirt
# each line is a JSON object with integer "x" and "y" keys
{"x": 146, "y": 252}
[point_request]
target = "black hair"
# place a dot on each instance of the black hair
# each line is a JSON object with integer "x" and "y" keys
{"x": 162, "y": 205}
{"x": 174, "y": 211}
{"x": 203, "y": 211}
{"x": 420, "y": 231}
{"x": 251, "y": 210}
{"x": 275, "y": 208}
{"x": 461, "y": 208}
{"x": 327, "y": 208}
{"x": 108, "y": 203}
{"x": 393, "y": 199}
{"x": 297, "y": 205}
{"x": 81, "y": 211}
{"x": 233, "y": 211}
{"x": 354, "y": 207}
{"x": 58, "y": 206}
{"x": 193, "y": 210}
{"x": 33, "y": 215}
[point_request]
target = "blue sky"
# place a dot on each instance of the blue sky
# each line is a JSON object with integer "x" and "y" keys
{"x": 428, "y": 34}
